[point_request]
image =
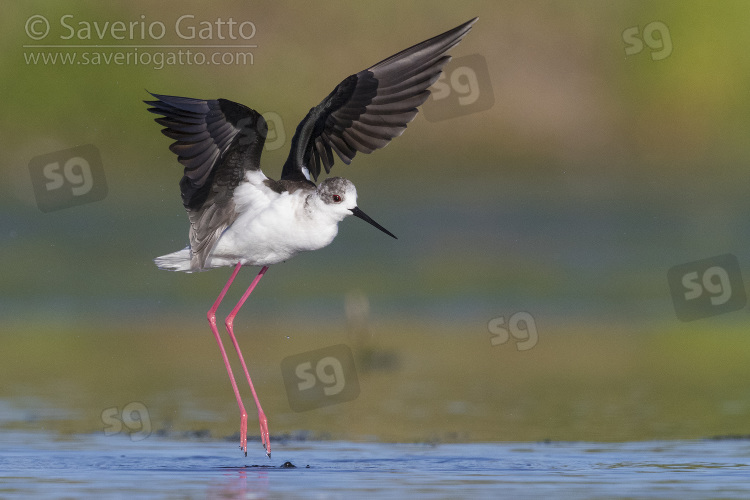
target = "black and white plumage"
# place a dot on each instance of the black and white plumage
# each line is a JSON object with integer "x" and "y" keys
{"x": 239, "y": 217}
{"x": 236, "y": 213}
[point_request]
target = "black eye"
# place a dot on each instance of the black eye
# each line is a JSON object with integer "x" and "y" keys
{"x": 336, "y": 198}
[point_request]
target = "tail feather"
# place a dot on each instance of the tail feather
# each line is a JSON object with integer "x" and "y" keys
{"x": 176, "y": 261}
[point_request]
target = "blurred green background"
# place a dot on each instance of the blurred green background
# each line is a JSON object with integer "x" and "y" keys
{"x": 598, "y": 167}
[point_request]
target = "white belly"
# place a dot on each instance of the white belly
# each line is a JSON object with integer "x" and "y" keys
{"x": 272, "y": 234}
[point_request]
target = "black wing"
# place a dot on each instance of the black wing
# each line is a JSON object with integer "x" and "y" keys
{"x": 365, "y": 111}
{"x": 217, "y": 141}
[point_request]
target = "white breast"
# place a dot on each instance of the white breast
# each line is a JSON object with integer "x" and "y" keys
{"x": 271, "y": 227}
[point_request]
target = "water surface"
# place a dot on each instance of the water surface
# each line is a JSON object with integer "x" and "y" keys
{"x": 97, "y": 466}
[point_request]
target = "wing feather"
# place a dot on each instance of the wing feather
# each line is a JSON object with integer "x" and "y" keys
{"x": 368, "y": 109}
{"x": 216, "y": 141}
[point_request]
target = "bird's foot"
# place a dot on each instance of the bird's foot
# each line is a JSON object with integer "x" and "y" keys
{"x": 264, "y": 432}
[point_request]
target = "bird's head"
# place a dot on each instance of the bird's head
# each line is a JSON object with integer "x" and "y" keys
{"x": 339, "y": 198}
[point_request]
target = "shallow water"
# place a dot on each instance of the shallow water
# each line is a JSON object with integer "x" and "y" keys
{"x": 42, "y": 465}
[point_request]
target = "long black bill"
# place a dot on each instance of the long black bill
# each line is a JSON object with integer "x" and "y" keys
{"x": 359, "y": 213}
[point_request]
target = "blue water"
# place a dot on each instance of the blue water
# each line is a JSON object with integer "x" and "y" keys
{"x": 37, "y": 465}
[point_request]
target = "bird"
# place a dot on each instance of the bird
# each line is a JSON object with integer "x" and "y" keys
{"x": 239, "y": 217}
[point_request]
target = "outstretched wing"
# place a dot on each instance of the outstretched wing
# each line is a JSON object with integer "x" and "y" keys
{"x": 368, "y": 109}
{"x": 217, "y": 141}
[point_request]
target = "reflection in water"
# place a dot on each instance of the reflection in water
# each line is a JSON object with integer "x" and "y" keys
{"x": 240, "y": 483}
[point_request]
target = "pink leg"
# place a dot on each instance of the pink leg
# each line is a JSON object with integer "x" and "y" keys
{"x": 212, "y": 322}
{"x": 229, "y": 322}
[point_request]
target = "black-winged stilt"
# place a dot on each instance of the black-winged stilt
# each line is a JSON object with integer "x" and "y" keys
{"x": 239, "y": 217}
